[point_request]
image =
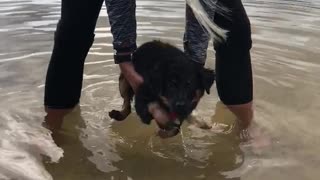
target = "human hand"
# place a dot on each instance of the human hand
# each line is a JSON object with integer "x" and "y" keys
{"x": 134, "y": 79}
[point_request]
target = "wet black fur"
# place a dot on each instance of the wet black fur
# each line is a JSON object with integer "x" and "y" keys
{"x": 167, "y": 71}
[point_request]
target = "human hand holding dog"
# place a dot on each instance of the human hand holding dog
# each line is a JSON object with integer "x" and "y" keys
{"x": 134, "y": 79}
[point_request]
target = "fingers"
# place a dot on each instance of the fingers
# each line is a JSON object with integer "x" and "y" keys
{"x": 134, "y": 79}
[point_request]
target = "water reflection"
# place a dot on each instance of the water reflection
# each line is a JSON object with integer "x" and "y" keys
{"x": 75, "y": 164}
{"x": 286, "y": 75}
{"x": 133, "y": 151}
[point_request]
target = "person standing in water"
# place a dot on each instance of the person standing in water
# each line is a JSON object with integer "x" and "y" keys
{"x": 75, "y": 35}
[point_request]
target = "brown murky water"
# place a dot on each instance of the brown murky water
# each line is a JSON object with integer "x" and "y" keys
{"x": 286, "y": 66}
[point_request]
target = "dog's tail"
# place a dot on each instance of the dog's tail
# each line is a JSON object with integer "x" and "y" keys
{"x": 200, "y": 13}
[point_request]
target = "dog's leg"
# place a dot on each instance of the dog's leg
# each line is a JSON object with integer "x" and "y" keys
{"x": 143, "y": 97}
{"x": 127, "y": 95}
{"x": 193, "y": 120}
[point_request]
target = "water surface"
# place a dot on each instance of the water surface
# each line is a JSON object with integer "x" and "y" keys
{"x": 286, "y": 66}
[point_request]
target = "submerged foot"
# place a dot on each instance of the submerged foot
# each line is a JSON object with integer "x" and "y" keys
{"x": 255, "y": 138}
{"x": 54, "y": 118}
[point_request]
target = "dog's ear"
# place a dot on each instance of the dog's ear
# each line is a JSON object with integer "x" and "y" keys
{"x": 207, "y": 78}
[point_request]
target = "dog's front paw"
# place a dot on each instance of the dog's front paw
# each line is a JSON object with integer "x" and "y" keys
{"x": 117, "y": 115}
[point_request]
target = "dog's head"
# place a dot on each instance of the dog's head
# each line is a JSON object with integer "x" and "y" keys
{"x": 184, "y": 84}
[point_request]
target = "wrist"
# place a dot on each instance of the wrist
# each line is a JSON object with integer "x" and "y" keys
{"x": 123, "y": 54}
{"x": 126, "y": 68}
{"x": 122, "y": 57}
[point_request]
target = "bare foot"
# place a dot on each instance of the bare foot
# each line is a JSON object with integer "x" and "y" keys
{"x": 255, "y": 137}
{"x": 54, "y": 118}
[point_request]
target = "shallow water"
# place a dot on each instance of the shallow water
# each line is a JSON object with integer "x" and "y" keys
{"x": 286, "y": 66}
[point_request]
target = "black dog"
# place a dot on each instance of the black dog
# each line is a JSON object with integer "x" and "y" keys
{"x": 171, "y": 80}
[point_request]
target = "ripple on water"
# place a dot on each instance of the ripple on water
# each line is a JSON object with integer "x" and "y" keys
{"x": 286, "y": 68}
